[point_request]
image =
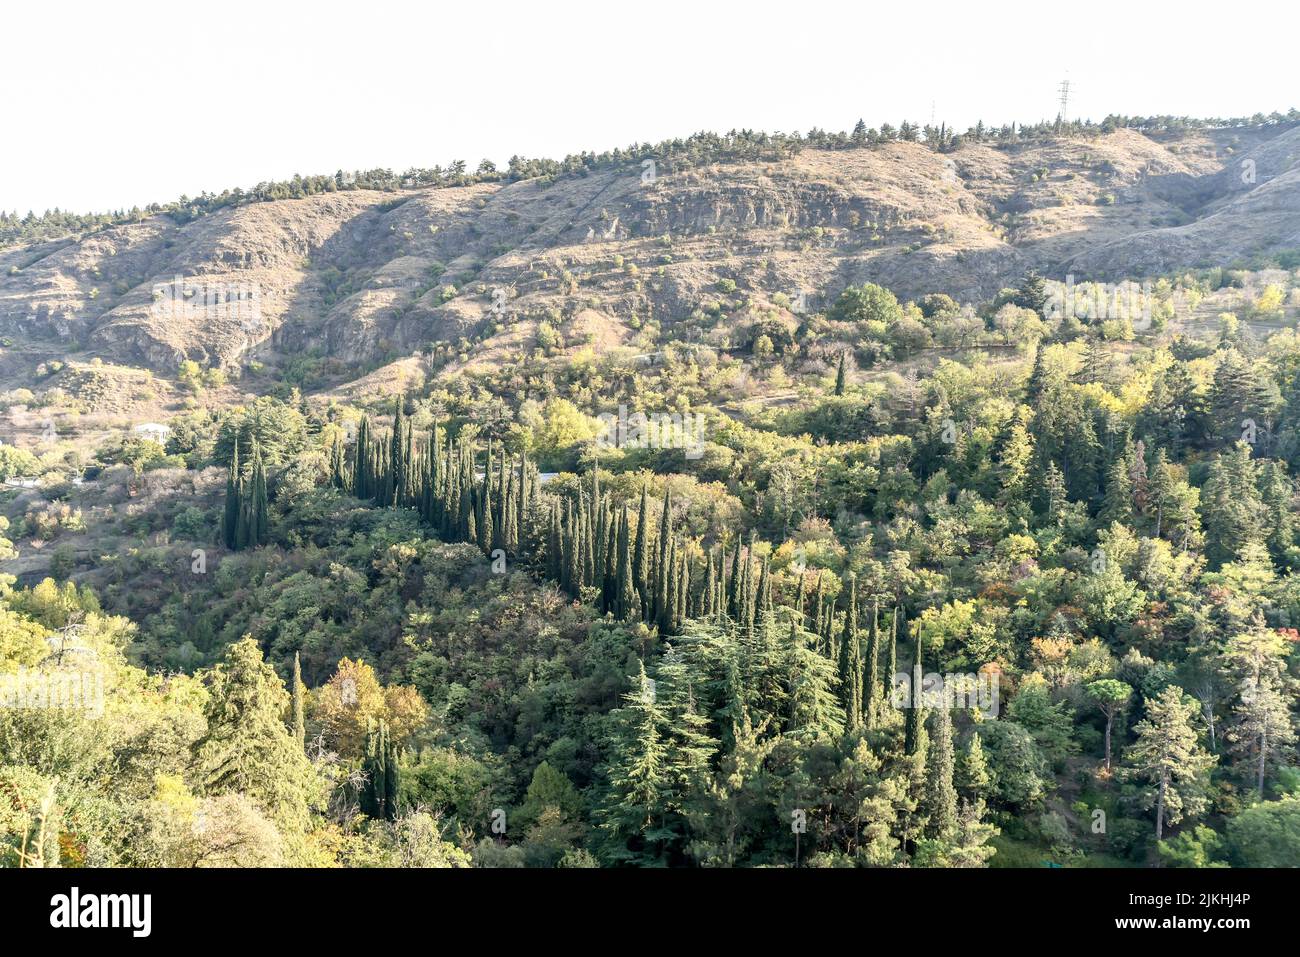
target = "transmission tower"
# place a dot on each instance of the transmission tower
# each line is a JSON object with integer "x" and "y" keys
{"x": 1064, "y": 90}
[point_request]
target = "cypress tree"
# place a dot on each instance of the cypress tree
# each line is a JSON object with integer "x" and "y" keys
{"x": 710, "y": 585}
{"x": 871, "y": 682}
{"x": 609, "y": 584}
{"x": 234, "y": 503}
{"x": 664, "y": 569}
{"x": 392, "y": 777}
{"x": 683, "y": 591}
{"x": 641, "y": 556}
{"x": 554, "y": 546}
{"x": 625, "y": 605}
{"x": 940, "y": 794}
{"x": 374, "y": 791}
{"x": 586, "y": 526}
{"x": 299, "y": 723}
{"x": 841, "y": 375}
{"x": 361, "y": 475}
{"x": 395, "y": 479}
{"x": 892, "y": 660}
{"x": 915, "y": 714}
{"x": 337, "y": 477}
{"x": 817, "y": 615}
{"x": 850, "y": 661}
{"x": 258, "y": 524}
{"x": 766, "y": 610}
{"x": 484, "y": 528}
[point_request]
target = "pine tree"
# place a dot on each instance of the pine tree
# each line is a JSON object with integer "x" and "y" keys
{"x": 636, "y": 802}
{"x": 1262, "y": 732}
{"x": 247, "y": 748}
{"x": 1168, "y": 758}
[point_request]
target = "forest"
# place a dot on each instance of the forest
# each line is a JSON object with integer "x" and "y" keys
{"x": 1029, "y": 598}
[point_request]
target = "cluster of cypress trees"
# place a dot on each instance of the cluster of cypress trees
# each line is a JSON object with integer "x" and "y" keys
{"x": 244, "y": 522}
{"x": 438, "y": 478}
{"x": 593, "y": 544}
{"x": 581, "y": 542}
{"x": 378, "y": 797}
{"x": 597, "y": 550}
{"x": 865, "y": 679}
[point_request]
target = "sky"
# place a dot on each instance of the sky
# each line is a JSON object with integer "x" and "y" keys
{"x": 106, "y": 106}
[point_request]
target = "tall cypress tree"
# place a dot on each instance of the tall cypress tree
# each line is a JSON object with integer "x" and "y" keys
{"x": 234, "y": 501}
{"x": 892, "y": 660}
{"x": 395, "y": 479}
{"x": 940, "y": 795}
{"x": 871, "y": 680}
{"x": 258, "y": 521}
{"x": 641, "y": 555}
{"x": 362, "y": 463}
{"x": 299, "y": 723}
{"x": 625, "y": 605}
{"x": 664, "y": 571}
{"x": 916, "y": 713}
{"x": 851, "y": 661}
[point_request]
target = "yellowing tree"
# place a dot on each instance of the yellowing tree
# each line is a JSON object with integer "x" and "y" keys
{"x": 353, "y": 700}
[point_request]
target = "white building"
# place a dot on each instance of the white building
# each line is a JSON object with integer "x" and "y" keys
{"x": 153, "y": 431}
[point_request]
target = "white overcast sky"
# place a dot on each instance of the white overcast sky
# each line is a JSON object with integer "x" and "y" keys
{"x": 112, "y": 104}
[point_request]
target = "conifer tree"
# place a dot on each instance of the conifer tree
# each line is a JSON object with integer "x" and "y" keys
{"x": 247, "y": 748}
{"x": 974, "y": 778}
{"x": 871, "y": 677}
{"x": 851, "y": 661}
{"x": 258, "y": 521}
{"x": 299, "y": 723}
{"x": 916, "y": 711}
{"x": 234, "y": 506}
{"x": 940, "y": 795}
{"x": 640, "y": 786}
{"x": 1168, "y": 758}
{"x": 625, "y": 606}
{"x": 641, "y": 553}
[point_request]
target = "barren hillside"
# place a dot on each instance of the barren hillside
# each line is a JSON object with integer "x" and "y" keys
{"x": 366, "y": 277}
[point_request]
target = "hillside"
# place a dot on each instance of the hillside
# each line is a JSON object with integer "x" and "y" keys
{"x": 784, "y": 512}
{"x": 364, "y": 277}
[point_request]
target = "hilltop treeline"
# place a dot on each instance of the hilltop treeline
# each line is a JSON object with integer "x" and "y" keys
{"x": 696, "y": 150}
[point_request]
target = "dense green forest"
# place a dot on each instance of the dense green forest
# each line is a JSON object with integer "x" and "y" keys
{"x": 1024, "y": 602}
